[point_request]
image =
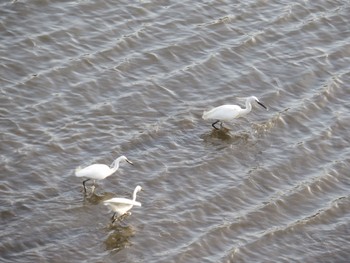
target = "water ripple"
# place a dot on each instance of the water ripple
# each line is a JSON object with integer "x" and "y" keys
{"x": 84, "y": 82}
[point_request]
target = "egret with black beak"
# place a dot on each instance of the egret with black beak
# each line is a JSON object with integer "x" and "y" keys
{"x": 99, "y": 171}
{"x": 230, "y": 112}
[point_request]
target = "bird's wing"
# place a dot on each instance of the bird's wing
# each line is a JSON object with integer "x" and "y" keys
{"x": 91, "y": 170}
{"x": 118, "y": 200}
{"x": 223, "y": 112}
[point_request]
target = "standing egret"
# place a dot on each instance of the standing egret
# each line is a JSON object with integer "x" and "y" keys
{"x": 230, "y": 112}
{"x": 99, "y": 171}
{"x": 121, "y": 206}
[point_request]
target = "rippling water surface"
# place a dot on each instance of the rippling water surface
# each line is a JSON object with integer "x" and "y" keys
{"x": 86, "y": 81}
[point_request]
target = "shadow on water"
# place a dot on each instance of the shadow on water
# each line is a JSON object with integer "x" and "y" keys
{"x": 119, "y": 237}
{"x": 224, "y": 135}
{"x": 259, "y": 129}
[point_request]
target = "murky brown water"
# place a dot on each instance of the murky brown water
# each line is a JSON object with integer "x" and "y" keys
{"x": 86, "y": 81}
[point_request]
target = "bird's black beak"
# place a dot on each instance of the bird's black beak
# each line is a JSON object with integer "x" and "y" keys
{"x": 129, "y": 162}
{"x": 262, "y": 105}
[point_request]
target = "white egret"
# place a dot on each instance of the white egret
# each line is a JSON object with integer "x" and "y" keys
{"x": 99, "y": 171}
{"x": 230, "y": 112}
{"x": 121, "y": 206}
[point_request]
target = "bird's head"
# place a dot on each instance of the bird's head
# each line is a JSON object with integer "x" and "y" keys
{"x": 123, "y": 158}
{"x": 138, "y": 189}
{"x": 257, "y": 101}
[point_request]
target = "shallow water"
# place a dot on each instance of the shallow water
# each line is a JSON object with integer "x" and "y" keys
{"x": 86, "y": 81}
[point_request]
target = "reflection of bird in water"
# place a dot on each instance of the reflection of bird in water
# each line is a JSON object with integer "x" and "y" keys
{"x": 223, "y": 138}
{"x": 119, "y": 238}
{"x": 121, "y": 206}
{"x": 230, "y": 112}
{"x": 99, "y": 171}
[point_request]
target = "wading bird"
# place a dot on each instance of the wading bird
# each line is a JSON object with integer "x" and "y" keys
{"x": 230, "y": 112}
{"x": 121, "y": 206}
{"x": 99, "y": 171}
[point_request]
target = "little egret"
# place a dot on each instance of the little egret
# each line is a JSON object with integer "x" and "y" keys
{"x": 121, "y": 206}
{"x": 230, "y": 112}
{"x": 99, "y": 171}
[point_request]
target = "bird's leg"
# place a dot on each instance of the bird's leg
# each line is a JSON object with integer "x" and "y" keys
{"x": 84, "y": 185}
{"x": 216, "y": 123}
{"x": 93, "y": 187}
{"x": 113, "y": 217}
{"x": 123, "y": 216}
{"x": 120, "y": 218}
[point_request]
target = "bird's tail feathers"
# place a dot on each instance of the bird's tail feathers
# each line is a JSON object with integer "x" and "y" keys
{"x": 137, "y": 203}
{"x": 204, "y": 116}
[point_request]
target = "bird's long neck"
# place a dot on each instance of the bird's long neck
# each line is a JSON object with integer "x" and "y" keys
{"x": 115, "y": 164}
{"x": 248, "y": 108}
{"x": 134, "y": 195}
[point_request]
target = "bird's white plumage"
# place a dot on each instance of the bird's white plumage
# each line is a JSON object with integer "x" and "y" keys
{"x": 122, "y": 205}
{"x": 225, "y": 112}
{"x": 95, "y": 171}
{"x": 121, "y": 201}
{"x": 99, "y": 171}
{"x": 230, "y": 112}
